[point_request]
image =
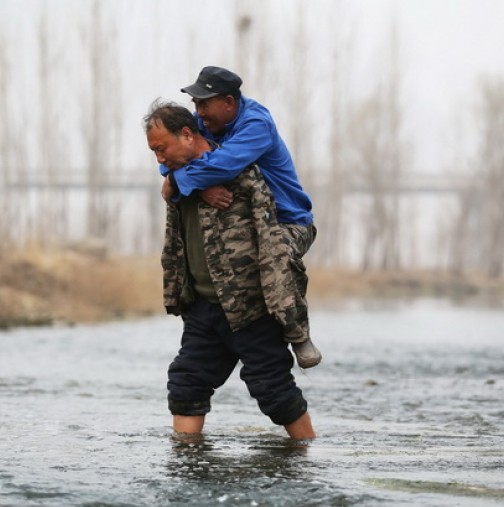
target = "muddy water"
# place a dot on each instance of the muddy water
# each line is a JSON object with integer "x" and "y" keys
{"x": 408, "y": 405}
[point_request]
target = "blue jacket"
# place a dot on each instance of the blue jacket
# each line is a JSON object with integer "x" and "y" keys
{"x": 251, "y": 137}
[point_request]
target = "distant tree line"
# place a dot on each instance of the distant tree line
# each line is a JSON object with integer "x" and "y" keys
{"x": 365, "y": 141}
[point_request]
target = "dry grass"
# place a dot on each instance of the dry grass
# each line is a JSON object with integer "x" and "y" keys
{"x": 336, "y": 284}
{"x": 69, "y": 286}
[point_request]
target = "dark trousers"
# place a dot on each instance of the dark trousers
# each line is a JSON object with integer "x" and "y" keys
{"x": 210, "y": 352}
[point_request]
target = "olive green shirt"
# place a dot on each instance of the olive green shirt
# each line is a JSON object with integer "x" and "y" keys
{"x": 195, "y": 253}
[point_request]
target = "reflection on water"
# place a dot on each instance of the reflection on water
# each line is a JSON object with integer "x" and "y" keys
{"x": 408, "y": 405}
{"x": 241, "y": 477}
{"x": 262, "y": 470}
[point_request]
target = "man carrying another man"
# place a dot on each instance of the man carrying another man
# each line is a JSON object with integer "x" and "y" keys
{"x": 246, "y": 134}
{"x": 226, "y": 271}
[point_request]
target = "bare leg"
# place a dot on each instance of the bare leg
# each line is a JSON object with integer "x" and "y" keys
{"x": 188, "y": 423}
{"x": 301, "y": 428}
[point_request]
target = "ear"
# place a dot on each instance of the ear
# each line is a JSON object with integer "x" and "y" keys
{"x": 230, "y": 101}
{"x": 187, "y": 133}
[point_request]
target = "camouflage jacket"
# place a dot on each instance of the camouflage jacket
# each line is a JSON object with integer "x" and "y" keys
{"x": 248, "y": 259}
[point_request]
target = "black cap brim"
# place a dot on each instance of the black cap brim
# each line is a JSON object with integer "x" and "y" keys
{"x": 198, "y": 92}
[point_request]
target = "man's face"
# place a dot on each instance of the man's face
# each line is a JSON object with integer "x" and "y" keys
{"x": 173, "y": 151}
{"x": 215, "y": 112}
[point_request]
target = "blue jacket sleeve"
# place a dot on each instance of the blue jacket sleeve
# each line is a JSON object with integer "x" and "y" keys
{"x": 243, "y": 148}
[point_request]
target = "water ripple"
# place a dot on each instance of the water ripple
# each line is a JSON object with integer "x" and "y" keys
{"x": 406, "y": 415}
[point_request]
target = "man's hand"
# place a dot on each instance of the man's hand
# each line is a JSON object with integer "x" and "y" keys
{"x": 218, "y": 196}
{"x": 167, "y": 189}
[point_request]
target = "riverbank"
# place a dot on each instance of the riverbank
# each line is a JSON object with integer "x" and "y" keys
{"x": 75, "y": 285}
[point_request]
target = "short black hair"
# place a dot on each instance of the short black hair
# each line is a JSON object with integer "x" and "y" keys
{"x": 173, "y": 116}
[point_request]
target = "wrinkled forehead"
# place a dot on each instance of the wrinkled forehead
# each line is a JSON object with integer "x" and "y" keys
{"x": 158, "y": 133}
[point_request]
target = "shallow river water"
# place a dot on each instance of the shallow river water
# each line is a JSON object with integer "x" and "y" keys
{"x": 408, "y": 405}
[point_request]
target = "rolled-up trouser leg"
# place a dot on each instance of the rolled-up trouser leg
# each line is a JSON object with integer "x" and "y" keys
{"x": 266, "y": 370}
{"x": 209, "y": 353}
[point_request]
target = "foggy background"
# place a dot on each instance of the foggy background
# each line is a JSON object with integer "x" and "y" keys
{"x": 393, "y": 111}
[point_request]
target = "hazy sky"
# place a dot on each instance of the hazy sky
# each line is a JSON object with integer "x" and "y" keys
{"x": 445, "y": 46}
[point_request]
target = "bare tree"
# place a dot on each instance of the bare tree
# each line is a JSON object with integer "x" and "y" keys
{"x": 244, "y": 26}
{"x": 4, "y": 147}
{"x": 491, "y": 161}
{"x": 52, "y": 220}
{"x": 102, "y": 121}
{"x": 378, "y": 167}
{"x": 12, "y": 156}
{"x": 490, "y": 165}
{"x": 298, "y": 91}
{"x": 330, "y": 196}
{"x": 478, "y": 228}
{"x": 253, "y": 53}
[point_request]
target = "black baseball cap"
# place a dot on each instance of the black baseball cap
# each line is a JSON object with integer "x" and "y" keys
{"x": 213, "y": 81}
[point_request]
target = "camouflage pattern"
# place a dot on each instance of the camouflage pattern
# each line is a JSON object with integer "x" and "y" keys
{"x": 299, "y": 239}
{"x": 255, "y": 262}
